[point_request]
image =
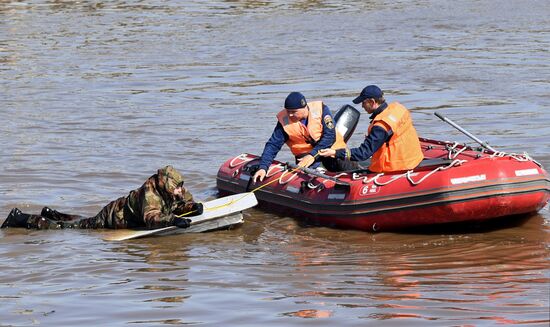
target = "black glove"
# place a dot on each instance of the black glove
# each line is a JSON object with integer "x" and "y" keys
{"x": 182, "y": 222}
{"x": 197, "y": 208}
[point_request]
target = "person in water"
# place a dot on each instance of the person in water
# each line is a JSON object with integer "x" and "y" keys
{"x": 306, "y": 127}
{"x": 157, "y": 203}
{"x": 391, "y": 141}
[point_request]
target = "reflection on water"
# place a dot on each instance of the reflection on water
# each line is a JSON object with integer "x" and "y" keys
{"x": 96, "y": 96}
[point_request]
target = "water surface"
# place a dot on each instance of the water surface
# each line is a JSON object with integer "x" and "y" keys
{"x": 96, "y": 96}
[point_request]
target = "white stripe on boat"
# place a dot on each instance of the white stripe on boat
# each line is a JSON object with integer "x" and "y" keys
{"x": 468, "y": 179}
{"x": 527, "y": 172}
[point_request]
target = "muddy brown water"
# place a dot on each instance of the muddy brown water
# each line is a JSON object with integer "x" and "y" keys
{"x": 95, "y": 96}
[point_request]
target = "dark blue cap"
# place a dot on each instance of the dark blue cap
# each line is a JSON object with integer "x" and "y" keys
{"x": 295, "y": 100}
{"x": 369, "y": 92}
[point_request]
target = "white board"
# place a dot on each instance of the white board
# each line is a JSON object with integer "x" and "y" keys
{"x": 218, "y": 213}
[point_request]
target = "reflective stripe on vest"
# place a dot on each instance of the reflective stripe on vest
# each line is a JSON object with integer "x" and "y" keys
{"x": 402, "y": 151}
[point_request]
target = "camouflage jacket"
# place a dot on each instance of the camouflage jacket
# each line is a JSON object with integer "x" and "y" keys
{"x": 153, "y": 205}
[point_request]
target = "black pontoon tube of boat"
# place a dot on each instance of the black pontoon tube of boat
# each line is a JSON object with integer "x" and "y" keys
{"x": 470, "y": 135}
{"x": 317, "y": 173}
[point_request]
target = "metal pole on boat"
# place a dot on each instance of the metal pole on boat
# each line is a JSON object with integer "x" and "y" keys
{"x": 470, "y": 135}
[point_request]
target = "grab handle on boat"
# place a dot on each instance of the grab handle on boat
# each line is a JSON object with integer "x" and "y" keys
{"x": 470, "y": 135}
{"x": 317, "y": 173}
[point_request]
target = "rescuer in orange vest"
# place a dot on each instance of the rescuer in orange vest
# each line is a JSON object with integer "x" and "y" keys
{"x": 306, "y": 127}
{"x": 391, "y": 140}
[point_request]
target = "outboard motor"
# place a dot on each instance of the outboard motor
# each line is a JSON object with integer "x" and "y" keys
{"x": 346, "y": 119}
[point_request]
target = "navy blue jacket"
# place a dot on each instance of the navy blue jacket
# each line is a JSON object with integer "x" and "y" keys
{"x": 372, "y": 143}
{"x": 279, "y": 137}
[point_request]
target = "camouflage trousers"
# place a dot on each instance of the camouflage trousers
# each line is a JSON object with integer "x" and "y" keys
{"x": 111, "y": 216}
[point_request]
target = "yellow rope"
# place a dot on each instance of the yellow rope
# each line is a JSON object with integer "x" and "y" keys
{"x": 254, "y": 190}
{"x": 185, "y": 214}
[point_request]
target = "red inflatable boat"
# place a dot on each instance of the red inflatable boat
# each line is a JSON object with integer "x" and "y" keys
{"x": 455, "y": 183}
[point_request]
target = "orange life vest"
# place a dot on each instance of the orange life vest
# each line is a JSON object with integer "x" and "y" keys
{"x": 301, "y": 139}
{"x": 402, "y": 151}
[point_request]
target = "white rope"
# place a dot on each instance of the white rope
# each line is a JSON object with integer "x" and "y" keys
{"x": 313, "y": 187}
{"x": 450, "y": 155}
{"x": 244, "y": 159}
{"x": 394, "y": 178}
{"x": 291, "y": 178}
{"x": 273, "y": 167}
{"x": 520, "y": 157}
{"x": 456, "y": 162}
{"x": 366, "y": 180}
{"x": 408, "y": 174}
{"x": 516, "y": 156}
{"x": 498, "y": 154}
{"x": 340, "y": 175}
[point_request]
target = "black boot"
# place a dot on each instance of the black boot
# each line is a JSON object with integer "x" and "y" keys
{"x": 49, "y": 213}
{"x": 15, "y": 219}
{"x": 56, "y": 215}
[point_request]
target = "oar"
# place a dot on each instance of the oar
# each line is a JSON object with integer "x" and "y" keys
{"x": 470, "y": 135}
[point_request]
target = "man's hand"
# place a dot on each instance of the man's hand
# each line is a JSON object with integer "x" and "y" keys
{"x": 306, "y": 161}
{"x": 260, "y": 174}
{"x": 327, "y": 153}
{"x": 188, "y": 209}
{"x": 197, "y": 208}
